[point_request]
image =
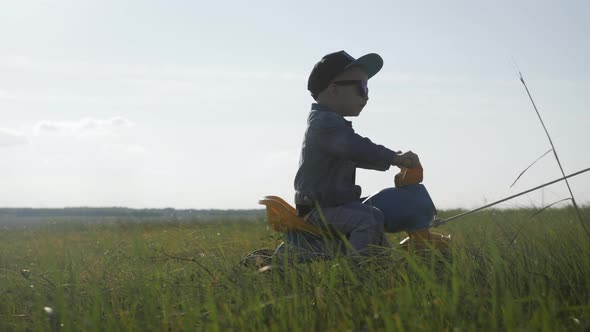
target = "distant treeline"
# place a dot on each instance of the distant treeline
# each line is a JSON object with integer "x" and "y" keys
{"x": 32, "y": 215}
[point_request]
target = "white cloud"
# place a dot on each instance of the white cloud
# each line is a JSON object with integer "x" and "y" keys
{"x": 5, "y": 95}
{"x": 83, "y": 127}
{"x": 10, "y": 138}
{"x": 128, "y": 149}
{"x": 159, "y": 71}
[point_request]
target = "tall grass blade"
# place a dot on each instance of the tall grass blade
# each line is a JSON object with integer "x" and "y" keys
{"x": 526, "y": 169}
{"x": 534, "y": 215}
{"x": 556, "y": 156}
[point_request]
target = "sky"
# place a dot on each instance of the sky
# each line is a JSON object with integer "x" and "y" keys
{"x": 203, "y": 104}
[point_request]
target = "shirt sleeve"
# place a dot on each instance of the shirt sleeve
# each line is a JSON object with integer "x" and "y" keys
{"x": 334, "y": 137}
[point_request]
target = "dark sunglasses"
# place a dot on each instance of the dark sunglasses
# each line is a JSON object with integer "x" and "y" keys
{"x": 363, "y": 88}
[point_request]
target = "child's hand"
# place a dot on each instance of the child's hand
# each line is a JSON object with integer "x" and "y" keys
{"x": 408, "y": 176}
{"x": 407, "y": 159}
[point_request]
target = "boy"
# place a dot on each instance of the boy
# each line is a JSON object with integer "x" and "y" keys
{"x": 332, "y": 151}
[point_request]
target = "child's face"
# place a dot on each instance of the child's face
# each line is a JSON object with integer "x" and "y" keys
{"x": 350, "y": 92}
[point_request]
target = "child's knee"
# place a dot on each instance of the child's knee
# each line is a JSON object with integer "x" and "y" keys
{"x": 375, "y": 220}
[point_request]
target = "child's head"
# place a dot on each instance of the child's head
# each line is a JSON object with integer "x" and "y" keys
{"x": 340, "y": 82}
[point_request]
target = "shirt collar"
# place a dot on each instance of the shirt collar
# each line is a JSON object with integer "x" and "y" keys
{"x": 324, "y": 108}
{"x": 319, "y": 107}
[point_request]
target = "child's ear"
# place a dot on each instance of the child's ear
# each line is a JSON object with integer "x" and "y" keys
{"x": 332, "y": 89}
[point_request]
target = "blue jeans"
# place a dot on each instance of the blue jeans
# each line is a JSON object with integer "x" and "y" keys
{"x": 405, "y": 209}
{"x": 390, "y": 210}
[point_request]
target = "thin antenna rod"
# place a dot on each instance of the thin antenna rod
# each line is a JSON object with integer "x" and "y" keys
{"x": 439, "y": 222}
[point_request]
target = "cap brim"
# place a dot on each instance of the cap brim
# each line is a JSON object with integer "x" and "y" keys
{"x": 372, "y": 63}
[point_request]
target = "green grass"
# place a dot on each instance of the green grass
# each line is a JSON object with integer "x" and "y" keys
{"x": 183, "y": 276}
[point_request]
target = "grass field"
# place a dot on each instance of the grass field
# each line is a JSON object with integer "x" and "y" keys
{"x": 508, "y": 272}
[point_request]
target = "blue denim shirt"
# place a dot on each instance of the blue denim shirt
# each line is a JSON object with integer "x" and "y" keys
{"x": 330, "y": 154}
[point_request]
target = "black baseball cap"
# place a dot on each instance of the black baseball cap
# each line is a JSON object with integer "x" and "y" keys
{"x": 334, "y": 63}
